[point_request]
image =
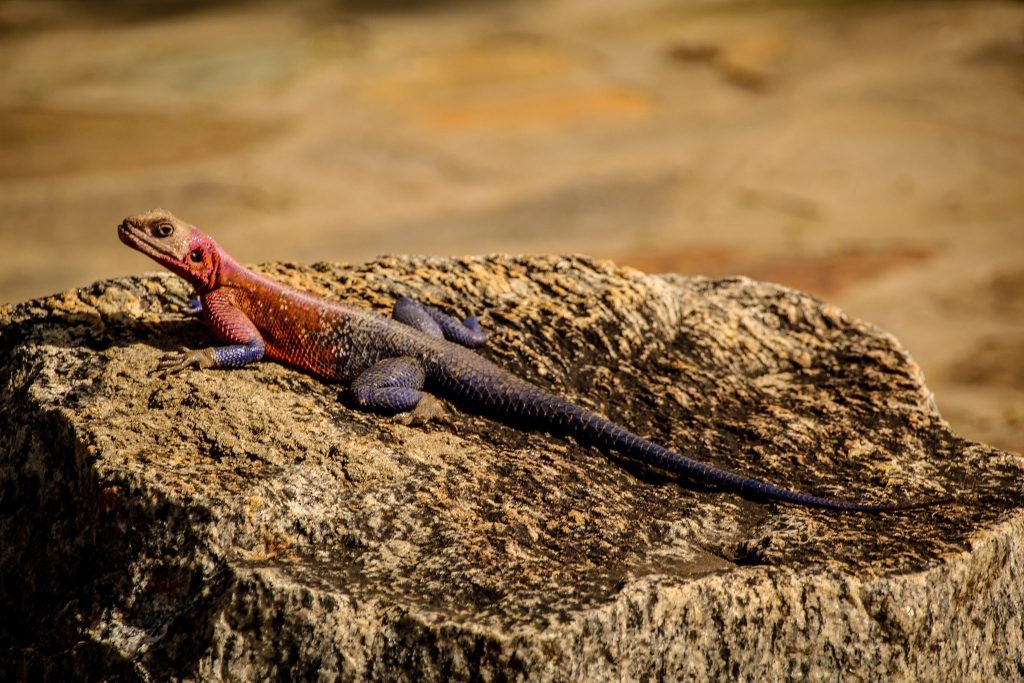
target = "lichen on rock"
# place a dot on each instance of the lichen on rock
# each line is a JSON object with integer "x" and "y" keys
{"x": 252, "y": 524}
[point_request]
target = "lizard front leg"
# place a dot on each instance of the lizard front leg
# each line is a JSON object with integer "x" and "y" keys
{"x": 436, "y": 324}
{"x": 231, "y": 325}
{"x": 394, "y": 386}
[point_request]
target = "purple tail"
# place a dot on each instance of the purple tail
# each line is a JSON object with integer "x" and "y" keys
{"x": 598, "y": 431}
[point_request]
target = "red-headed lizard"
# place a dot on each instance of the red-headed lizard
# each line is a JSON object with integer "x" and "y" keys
{"x": 390, "y": 361}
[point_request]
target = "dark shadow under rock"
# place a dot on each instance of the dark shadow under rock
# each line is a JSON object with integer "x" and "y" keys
{"x": 249, "y": 524}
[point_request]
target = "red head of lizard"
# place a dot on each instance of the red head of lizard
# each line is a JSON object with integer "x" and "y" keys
{"x": 179, "y": 247}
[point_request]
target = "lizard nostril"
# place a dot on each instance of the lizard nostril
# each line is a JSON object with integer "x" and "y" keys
{"x": 125, "y": 224}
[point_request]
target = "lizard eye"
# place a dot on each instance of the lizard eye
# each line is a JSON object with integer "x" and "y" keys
{"x": 196, "y": 256}
{"x": 163, "y": 230}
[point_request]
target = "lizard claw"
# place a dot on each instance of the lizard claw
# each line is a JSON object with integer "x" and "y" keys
{"x": 428, "y": 408}
{"x": 191, "y": 305}
{"x": 176, "y": 361}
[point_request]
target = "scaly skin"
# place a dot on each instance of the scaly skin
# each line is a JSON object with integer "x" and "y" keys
{"x": 388, "y": 361}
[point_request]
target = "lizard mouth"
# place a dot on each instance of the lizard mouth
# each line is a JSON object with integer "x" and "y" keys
{"x": 135, "y": 237}
{"x": 138, "y": 238}
{"x": 124, "y": 232}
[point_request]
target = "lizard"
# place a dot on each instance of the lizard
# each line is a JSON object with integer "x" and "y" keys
{"x": 389, "y": 362}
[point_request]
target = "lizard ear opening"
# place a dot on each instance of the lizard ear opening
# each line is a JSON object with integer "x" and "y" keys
{"x": 200, "y": 262}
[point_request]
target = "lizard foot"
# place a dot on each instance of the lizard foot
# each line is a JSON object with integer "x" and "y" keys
{"x": 176, "y": 361}
{"x": 427, "y": 408}
{"x": 192, "y": 305}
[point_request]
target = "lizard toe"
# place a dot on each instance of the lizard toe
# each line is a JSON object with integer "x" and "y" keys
{"x": 428, "y": 408}
{"x": 176, "y": 361}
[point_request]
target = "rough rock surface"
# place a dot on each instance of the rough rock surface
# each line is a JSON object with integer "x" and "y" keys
{"x": 251, "y": 525}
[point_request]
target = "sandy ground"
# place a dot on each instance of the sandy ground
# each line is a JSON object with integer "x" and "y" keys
{"x": 871, "y": 153}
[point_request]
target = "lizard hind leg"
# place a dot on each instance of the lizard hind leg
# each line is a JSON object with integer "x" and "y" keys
{"x": 433, "y": 322}
{"x": 394, "y": 386}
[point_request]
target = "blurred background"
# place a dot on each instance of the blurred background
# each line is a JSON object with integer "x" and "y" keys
{"x": 871, "y": 153}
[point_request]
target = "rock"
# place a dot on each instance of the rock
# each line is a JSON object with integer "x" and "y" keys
{"x": 249, "y": 525}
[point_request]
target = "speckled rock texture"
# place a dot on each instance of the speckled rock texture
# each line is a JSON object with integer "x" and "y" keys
{"x": 252, "y": 525}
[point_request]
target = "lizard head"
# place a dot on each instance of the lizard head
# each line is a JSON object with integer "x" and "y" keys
{"x": 174, "y": 244}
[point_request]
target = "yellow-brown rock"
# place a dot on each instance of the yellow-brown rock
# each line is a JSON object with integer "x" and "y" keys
{"x": 249, "y": 525}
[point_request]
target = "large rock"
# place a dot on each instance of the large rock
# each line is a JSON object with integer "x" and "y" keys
{"x": 248, "y": 524}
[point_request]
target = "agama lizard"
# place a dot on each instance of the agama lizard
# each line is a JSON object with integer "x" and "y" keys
{"x": 389, "y": 361}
